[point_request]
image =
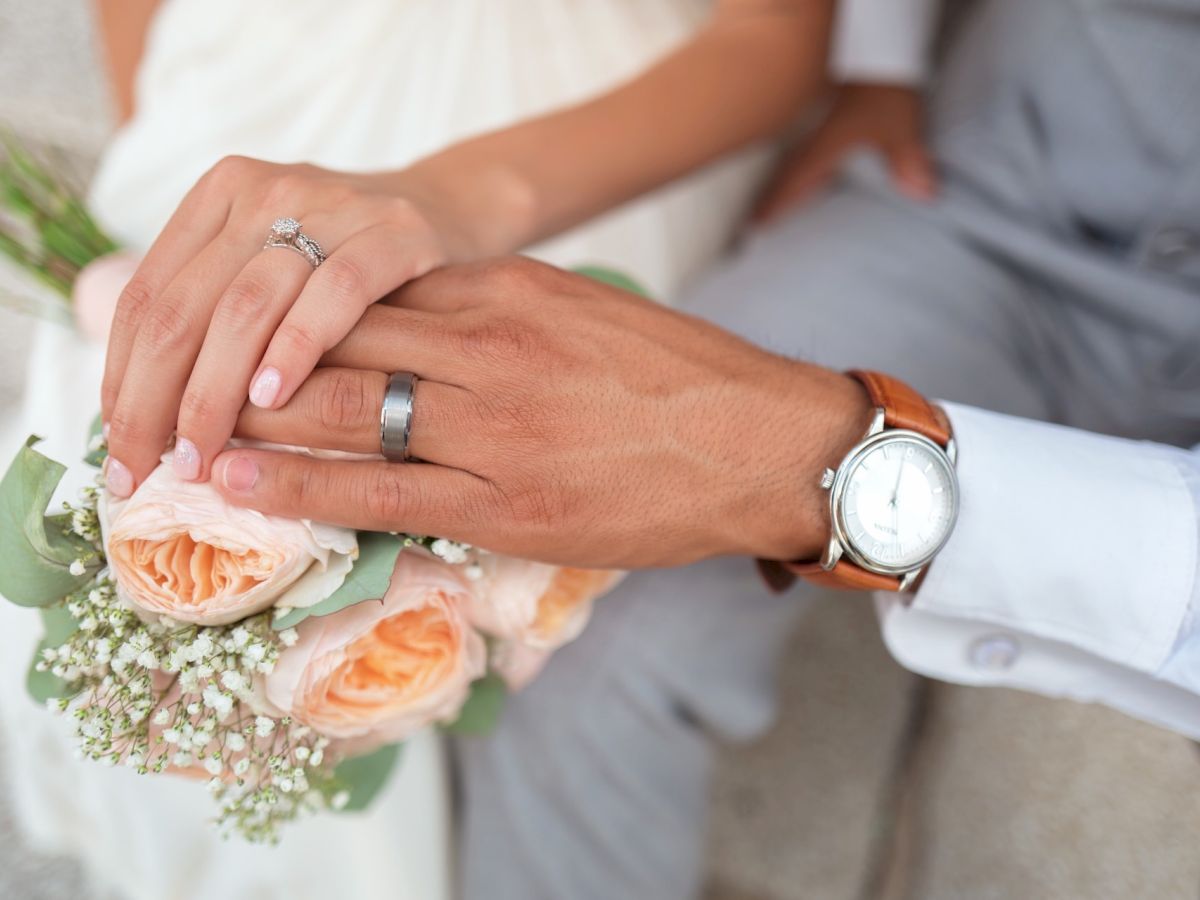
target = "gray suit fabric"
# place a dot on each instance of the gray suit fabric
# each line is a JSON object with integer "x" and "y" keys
{"x": 1057, "y": 277}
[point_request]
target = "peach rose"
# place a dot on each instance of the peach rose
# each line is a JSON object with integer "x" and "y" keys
{"x": 376, "y": 673}
{"x": 177, "y": 549}
{"x": 96, "y": 289}
{"x": 540, "y": 606}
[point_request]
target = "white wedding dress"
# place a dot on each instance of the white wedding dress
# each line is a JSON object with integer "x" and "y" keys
{"x": 364, "y": 85}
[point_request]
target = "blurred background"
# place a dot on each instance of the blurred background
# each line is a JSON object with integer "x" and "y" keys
{"x": 875, "y": 784}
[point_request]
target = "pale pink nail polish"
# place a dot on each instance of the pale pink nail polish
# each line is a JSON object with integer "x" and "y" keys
{"x": 265, "y": 388}
{"x": 241, "y": 474}
{"x": 104, "y": 430}
{"x": 186, "y": 460}
{"x": 117, "y": 478}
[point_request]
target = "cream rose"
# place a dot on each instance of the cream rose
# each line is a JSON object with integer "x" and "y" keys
{"x": 540, "y": 606}
{"x": 377, "y": 672}
{"x": 177, "y": 549}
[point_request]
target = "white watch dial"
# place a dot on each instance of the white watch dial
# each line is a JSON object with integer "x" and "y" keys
{"x": 898, "y": 502}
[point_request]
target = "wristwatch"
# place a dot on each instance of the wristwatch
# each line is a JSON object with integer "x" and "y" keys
{"x": 893, "y": 499}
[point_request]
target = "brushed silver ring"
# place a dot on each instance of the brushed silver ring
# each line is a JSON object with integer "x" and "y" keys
{"x": 287, "y": 232}
{"x": 396, "y": 415}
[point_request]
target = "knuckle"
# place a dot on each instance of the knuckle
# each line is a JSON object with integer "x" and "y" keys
{"x": 125, "y": 430}
{"x": 301, "y": 340}
{"x": 512, "y": 419}
{"x": 507, "y": 275}
{"x": 286, "y": 188}
{"x": 389, "y": 499}
{"x": 343, "y": 278}
{"x": 302, "y": 484}
{"x": 135, "y": 299}
{"x": 401, "y": 211}
{"x": 535, "y": 506}
{"x": 245, "y": 302}
{"x": 230, "y": 172}
{"x": 164, "y": 327}
{"x": 197, "y": 409}
{"x": 499, "y": 338}
{"x": 344, "y": 402}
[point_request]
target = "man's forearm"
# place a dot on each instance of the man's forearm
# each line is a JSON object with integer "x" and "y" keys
{"x": 740, "y": 79}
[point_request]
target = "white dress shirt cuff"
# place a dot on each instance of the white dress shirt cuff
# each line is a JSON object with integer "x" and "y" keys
{"x": 883, "y": 40}
{"x": 1065, "y": 539}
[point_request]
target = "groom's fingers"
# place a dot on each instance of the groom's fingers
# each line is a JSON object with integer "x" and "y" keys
{"x": 375, "y": 496}
{"x": 401, "y": 340}
{"x": 338, "y": 409}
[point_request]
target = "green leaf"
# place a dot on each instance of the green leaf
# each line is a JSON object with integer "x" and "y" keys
{"x": 36, "y": 551}
{"x": 368, "y": 579}
{"x": 60, "y": 625}
{"x": 611, "y": 277}
{"x": 365, "y": 776}
{"x": 481, "y": 712}
{"x": 96, "y": 457}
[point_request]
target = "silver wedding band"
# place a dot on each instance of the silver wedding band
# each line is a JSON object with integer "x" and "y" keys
{"x": 289, "y": 233}
{"x": 395, "y": 419}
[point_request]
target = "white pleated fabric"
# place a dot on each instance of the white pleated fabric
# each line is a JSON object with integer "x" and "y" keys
{"x": 359, "y": 85}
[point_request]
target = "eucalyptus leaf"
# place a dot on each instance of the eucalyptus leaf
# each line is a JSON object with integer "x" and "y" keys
{"x": 368, "y": 579}
{"x": 365, "y": 776}
{"x": 481, "y": 712}
{"x": 611, "y": 277}
{"x": 36, "y": 551}
{"x": 96, "y": 457}
{"x": 59, "y": 625}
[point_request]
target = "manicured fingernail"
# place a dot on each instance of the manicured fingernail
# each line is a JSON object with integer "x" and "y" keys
{"x": 186, "y": 460}
{"x": 241, "y": 474}
{"x": 104, "y": 429}
{"x": 265, "y": 388}
{"x": 117, "y": 478}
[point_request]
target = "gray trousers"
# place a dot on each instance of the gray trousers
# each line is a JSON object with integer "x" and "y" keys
{"x": 1053, "y": 279}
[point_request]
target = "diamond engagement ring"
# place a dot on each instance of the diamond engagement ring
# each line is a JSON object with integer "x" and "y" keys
{"x": 395, "y": 418}
{"x": 287, "y": 232}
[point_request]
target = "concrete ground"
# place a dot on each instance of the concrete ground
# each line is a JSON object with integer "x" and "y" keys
{"x": 875, "y": 784}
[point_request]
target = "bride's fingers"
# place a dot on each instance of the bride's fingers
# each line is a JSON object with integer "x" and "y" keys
{"x": 243, "y": 321}
{"x": 367, "y": 266}
{"x": 194, "y": 225}
{"x": 168, "y": 338}
{"x": 338, "y": 409}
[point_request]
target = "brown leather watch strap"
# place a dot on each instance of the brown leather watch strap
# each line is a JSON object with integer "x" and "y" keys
{"x": 780, "y": 576}
{"x": 904, "y": 408}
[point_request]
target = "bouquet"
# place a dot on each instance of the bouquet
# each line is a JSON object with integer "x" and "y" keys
{"x": 281, "y": 661}
{"x": 47, "y": 236}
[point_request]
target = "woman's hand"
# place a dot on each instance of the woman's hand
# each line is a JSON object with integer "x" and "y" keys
{"x": 211, "y": 316}
{"x": 559, "y": 419}
{"x": 885, "y": 117}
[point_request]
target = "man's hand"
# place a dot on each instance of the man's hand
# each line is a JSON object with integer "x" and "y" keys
{"x": 559, "y": 419}
{"x": 885, "y": 117}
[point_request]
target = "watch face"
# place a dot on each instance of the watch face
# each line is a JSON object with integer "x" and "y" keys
{"x": 896, "y": 501}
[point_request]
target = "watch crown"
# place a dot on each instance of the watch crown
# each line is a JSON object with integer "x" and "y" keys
{"x": 827, "y": 479}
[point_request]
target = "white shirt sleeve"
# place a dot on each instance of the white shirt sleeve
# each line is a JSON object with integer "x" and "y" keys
{"x": 883, "y": 40}
{"x": 1072, "y": 571}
